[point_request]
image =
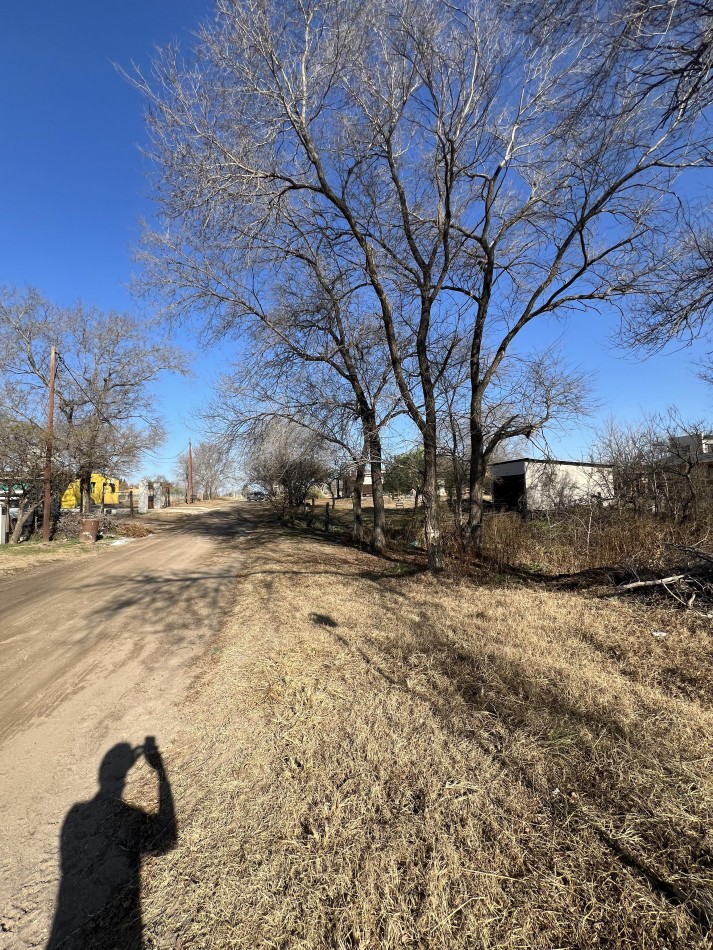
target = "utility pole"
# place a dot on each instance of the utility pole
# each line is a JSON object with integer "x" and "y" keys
{"x": 190, "y": 473}
{"x": 48, "y": 456}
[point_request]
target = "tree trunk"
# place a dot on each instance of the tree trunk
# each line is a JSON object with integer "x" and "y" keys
{"x": 475, "y": 517}
{"x": 85, "y": 488}
{"x": 430, "y": 500}
{"x": 23, "y": 514}
{"x": 356, "y": 503}
{"x": 378, "y": 537}
{"x": 478, "y": 469}
{"x": 457, "y": 502}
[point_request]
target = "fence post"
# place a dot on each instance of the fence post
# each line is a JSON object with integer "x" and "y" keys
{"x": 326, "y": 518}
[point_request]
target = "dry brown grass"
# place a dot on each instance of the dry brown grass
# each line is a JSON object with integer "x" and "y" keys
{"x": 383, "y": 760}
{"x": 19, "y": 558}
{"x": 580, "y": 539}
{"x": 129, "y": 528}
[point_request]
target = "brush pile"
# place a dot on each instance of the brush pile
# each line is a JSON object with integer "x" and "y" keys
{"x": 688, "y": 581}
{"x": 69, "y": 525}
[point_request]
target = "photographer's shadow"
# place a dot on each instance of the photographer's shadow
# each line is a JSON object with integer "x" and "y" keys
{"x": 102, "y": 843}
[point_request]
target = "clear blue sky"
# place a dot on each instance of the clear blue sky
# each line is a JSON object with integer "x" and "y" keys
{"x": 72, "y": 178}
{"x": 73, "y": 186}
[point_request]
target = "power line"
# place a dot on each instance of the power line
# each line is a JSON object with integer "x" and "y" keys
{"x": 165, "y": 458}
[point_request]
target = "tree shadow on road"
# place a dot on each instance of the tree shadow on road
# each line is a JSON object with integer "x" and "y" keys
{"x": 169, "y": 602}
{"x": 102, "y": 843}
{"x": 221, "y": 525}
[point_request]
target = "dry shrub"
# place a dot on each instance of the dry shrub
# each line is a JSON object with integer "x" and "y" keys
{"x": 505, "y": 539}
{"x": 403, "y": 529}
{"x": 128, "y": 528}
{"x": 69, "y": 525}
{"x": 582, "y": 539}
{"x": 382, "y": 761}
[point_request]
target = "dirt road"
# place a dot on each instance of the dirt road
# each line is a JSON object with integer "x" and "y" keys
{"x": 93, "y": 653}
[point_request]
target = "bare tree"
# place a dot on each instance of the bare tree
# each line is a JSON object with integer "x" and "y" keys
{"x": 661, "y": 465}
{"x": 453, "y": 443}
{"x": 675, "y": 43}
{"x": 274, "y": 384}
{"x": 679, "y": 305}
{"x": 180, "y": 475}
{"x": 668, "y": 44}
{"x": 317, "y": 358}
{"x": 529, "y": 395}
{"x": 105, "y": 413}
{"x": 286, "y": 460}
{"x": 479, "y": 173}
{"x": 674, "y": 47}
{"x": 213, "y": 468}
{"x": 22, "y": 463}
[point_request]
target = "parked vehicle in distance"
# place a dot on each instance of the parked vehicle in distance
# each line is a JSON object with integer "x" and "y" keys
{"x": 256, "y": 496}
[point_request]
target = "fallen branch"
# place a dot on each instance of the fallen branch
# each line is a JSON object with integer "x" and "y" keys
{"x": 688, "y": 604}
{"x": 674, "y": 578}
{"x": 686, "y": 596}
{"x": 693, "y": 552}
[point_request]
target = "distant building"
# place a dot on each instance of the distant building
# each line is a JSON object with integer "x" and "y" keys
{"x": 696, "y": 448}
{"x": 529, "y": 484}
{"x": 105, "y": 490}
{"x": 343, "y": 485}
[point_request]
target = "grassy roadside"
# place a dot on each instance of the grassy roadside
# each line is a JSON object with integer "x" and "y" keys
{"x": 378, "y": 760}
{"x": 404, "y": 522}
{"x": 18, "y": 558}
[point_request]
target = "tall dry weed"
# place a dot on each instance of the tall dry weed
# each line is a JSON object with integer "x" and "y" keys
{"x": 582, "y": 539}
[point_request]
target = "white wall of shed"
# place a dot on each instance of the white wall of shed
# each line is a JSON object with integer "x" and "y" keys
{"x": 550, "y": 484}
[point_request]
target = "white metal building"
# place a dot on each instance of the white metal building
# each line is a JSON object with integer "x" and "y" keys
{"x": 543, "y": 484}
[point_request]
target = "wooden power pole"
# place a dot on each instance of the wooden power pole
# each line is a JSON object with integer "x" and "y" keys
{"x": 48, "y": 457}
{"x": 190, "y": 473}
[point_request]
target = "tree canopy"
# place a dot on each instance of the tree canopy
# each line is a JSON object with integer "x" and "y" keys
{"x": 105, "y": 413}
{"x": 473, "y": 167}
